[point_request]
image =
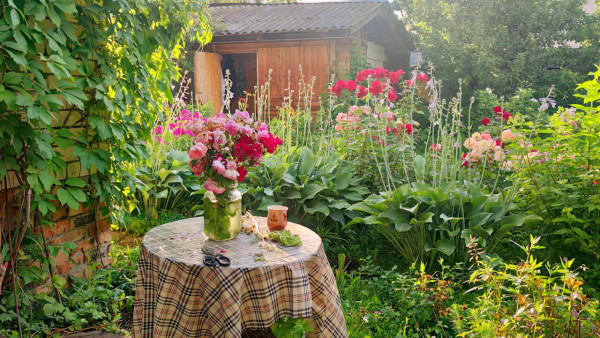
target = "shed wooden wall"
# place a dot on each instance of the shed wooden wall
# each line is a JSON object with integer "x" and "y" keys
{"x": 284, "y": 56}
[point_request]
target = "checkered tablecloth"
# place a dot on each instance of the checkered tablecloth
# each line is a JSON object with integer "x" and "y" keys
{"x": 177, "y": 296}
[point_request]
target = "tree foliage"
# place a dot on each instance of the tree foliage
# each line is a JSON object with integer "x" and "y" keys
{"x": 504, "y": 45}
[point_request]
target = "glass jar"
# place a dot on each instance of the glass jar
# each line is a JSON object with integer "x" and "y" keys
{"x": 223, "y": 214}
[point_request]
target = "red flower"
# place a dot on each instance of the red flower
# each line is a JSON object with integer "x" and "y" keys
{"x": 362, "y": 92}
{"x": 243, "y": 172}
{"x": 465, "y": 164}
{"x": 485, "y": 121}
{"x": 335, "y": 90}
{"x": 392, "y": 95}
{"x": 271, "y": 142}
{"x": 350, "y": 85}
{"x": 409, "y": 83}
{"x": 506, "y": 115}
{"x": 497, "y": 109}
{"x": 500, "y": 143}
{"x": 423, "y": 77}
{"x": 395, "y": 76}
{"x": 594, "y": 182}
{"x": 408, "y": 128}
{"x": 387, "y": 130}
{"x": 363, "y": 75}
{"x": 380, "y": 72}
{"x": 375, "y": 88}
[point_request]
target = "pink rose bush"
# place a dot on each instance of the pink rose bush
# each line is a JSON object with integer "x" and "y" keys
{"x": 223, "y": 147}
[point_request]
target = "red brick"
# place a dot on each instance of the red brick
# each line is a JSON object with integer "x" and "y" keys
{"x": 78, "y": 211}
{"x": 103, "y": 225}
{"x": 73, "y": 235}
{"x": 86, "y": 244}
{"x": 105, "y": 237}
{"x": 61, "y": 257}
{"x": 63, "y": 267}
{"x": 60, "y": 213}
{"x": 57, "y": 228}
{"x": 78, "y": 258}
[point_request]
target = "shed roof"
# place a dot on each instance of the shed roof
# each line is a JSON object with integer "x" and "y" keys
{"x": 294, "y": 17}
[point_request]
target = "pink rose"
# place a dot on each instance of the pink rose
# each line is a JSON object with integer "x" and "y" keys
{"x": 231, "y": 127}
{"x": 213, "y": 186}
{"x": 243, "y": 116}
{"x": 219, "y": 166}
{"x": 486, "y": 136}
{"x": 198, "y": 151}
{"x": 261, "y": 135}
{"x": 219, "y": 138}
{"x": 263, "y": 126}
{"x": 231, "y": 174}
{"x": 198, "y": 168}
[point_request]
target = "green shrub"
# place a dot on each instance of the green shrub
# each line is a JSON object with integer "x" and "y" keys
{"x": 520, "y": 300}
{"x": 104, "y": 299}
{"x": 380, "y": 303}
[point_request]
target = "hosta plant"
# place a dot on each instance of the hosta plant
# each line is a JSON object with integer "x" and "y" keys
{"x": 313, "y": 187}
{"x": 422, "y": 222}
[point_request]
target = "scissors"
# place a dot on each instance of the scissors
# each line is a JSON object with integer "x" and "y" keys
{"x": 211, "y": 259}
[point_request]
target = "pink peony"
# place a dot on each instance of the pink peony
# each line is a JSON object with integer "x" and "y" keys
{"x": 198, "y": 151}
{"x": 213, "y": 186}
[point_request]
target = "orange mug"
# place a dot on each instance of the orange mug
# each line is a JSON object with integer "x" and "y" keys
{"x": 277, "y": 217}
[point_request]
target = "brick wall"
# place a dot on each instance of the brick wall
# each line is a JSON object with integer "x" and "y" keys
{"x": 88, "y": 229}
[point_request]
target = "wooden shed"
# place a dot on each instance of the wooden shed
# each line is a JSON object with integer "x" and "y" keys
{"x": 251, "y": 39}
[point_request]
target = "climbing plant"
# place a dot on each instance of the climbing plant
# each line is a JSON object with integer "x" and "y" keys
{"x": 103, "y": 66}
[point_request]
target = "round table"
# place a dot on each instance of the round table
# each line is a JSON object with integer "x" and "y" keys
{"x": 177, "y": 296}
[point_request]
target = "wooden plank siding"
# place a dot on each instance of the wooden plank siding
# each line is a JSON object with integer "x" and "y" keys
{"x": 207, "y": 78}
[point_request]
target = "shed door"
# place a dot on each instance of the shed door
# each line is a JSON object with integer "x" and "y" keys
{"x": 207, "y": 79}
{"x": 314, "y": 58}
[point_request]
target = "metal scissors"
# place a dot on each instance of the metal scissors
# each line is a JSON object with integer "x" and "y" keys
{"x": 211, "y": 259}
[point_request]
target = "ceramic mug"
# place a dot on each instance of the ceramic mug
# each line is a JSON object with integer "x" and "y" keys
{"x": 277, "y": 217}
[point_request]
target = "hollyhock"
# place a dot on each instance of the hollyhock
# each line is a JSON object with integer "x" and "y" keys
{"x": 409, "y": 83}
{"x": 198, "y": 151}
{"x": 485, "y": 121}
{"x": 423, "y": 77}
{"x": 375, "y": 88}
{"x": 392, "y": 95}
{"x": 362, "y": 92}
{"x": 350, "y": 85}
{"x": 213, "y": 186}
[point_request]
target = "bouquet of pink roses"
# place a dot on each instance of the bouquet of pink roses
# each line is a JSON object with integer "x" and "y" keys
{"x": 225, "y": 146}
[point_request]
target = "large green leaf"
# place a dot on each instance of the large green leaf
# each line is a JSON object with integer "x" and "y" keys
{"x": 445, "y": 246}
{"x": 315, "y": 206}
{"x": 311, "y": 190}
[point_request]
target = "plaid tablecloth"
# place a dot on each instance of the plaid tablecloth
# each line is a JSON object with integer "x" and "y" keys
{"x": 177, "y": 296}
